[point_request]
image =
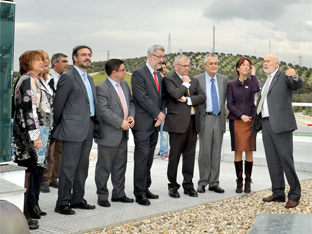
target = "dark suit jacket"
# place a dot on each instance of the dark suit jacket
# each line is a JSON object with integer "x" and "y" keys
{"x": 72, "y": 108}
{"x": 241, "y": 97}
{"x": 179, "y": 113}
{"x": 279, "y": 98}
{"x": 147, "y": 101}
{"x": 222, "y": 87}
{"x": 111, "y": 112}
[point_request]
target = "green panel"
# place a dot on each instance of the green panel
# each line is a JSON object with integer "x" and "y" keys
{"x": 7, "y": 20}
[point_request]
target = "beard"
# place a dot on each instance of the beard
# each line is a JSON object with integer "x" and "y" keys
{"x": 85, "y": 65}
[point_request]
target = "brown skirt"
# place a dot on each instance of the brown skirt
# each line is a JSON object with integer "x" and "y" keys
{"x": 241, "y": 136}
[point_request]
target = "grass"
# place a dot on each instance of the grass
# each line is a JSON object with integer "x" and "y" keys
{"x": 101, "y": 77}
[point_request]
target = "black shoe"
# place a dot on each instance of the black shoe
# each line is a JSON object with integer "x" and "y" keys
{"x": 216, "y": 189}
{"x": 34, "y": 213}
{"x": 150, "y": 195}
{"x": 54, "y": 184}
{"x": 39, "y": 211}
{"x": 65, "y": 209}
{"x": 124, "y": 199}
{"x": 142, "y": 200}
{"x": 174, "y": 193}
{"x": 32, "y": 224}
{"x": 201, "y": 189}
{"x": 83, "y": 205}
{"x": 191, "y": 192}
{"x": 44, "y": 188}
{"x": 104, "y": 203}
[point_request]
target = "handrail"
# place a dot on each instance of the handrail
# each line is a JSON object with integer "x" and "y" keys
{"x": 302, "y": 104}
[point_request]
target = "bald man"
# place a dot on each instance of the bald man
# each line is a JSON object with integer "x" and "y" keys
{"x": 276, "y": 118}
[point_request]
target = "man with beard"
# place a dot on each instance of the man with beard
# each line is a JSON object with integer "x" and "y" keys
{"x": 76, "y": 123}
{"x": 276, "y": 118}
{"x": 147, "y": 88}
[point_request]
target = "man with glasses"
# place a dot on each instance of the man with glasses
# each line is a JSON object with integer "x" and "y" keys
{"x": 116, "y": 109}
{"x": 183, "y": 95}
{"x": 147, "y": 89}
{"x": 76, "y": 123}
{"x": 212, "y": 124}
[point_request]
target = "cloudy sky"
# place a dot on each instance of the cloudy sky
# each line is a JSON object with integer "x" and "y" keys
{"x": 128, "y": 28}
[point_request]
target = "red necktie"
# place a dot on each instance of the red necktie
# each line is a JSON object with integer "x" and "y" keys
{"x": 123, "y": 102}
{"x": 156, "y": 81}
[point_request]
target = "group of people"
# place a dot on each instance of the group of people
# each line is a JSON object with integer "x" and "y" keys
{"x": 58, "y": 113}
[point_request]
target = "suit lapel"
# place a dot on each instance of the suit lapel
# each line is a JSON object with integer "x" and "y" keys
{"x": 80, "y": 82}
{"x": 220, "y": 87}
{"x": 274, "y": 79}
{"x": 151, "y": 78}
{"x": 112, "y": 89}
{"x": 125, "y": 90}
{"x": 202, "y": 82}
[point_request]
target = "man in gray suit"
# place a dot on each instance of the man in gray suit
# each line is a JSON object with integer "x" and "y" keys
{"x": 276, "y": 118}
{"x": 116, "y": 109}
{"x": 149, "y": 105}
{"x": 211, "y": 124}
{"x": 76, "y": 123}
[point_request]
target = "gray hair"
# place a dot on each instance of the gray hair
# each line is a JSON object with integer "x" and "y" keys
{"x": 177, "y": 59}
{"x": 154, "y": 48}
{"x": 210, "y": 55}
{"x": 56, "y": 58}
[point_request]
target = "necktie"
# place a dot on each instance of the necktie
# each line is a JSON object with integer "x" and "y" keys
{"x": 192, "y": 108}
{"x": 156, "y": 81}
{"x": 263, "y": 95}
{"x": 214, "y": 98}
{"x": 90, "y": 94}
{"x": 123, "y": 102}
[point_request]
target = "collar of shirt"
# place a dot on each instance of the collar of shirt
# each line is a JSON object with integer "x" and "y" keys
{"x": 150, "y": 69}
{"x": 55, "y": 74}
{"x": 81, "y": 73}
{"x": 46, "y": 84}
{"x": 114, "y": 83}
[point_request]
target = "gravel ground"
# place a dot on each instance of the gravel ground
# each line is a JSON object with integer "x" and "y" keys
{"x": 235, "y": 215}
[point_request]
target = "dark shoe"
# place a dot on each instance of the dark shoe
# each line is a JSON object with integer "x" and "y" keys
{"x": 216, "y": 189}
{"x": 44, "y": 188}
{"x": 54, "y": 184}
{"x": 142, "y": 200}
{"x": 32, "y": 224}
{"x": 83, "y": 205}
{"x": 273, "y": 199}
{"x": 239, "y": 176}
{"x": 39, "y": 211}
{"x": 191, "y": 192}
{"x": 248, "y": 171}
{"x": 104, "y": 203}
{"x": 201, "y": 189}
{"x": 34, "y": 213}
{"x": 150, "y": 195}
{"x": 174, "y": 193}
{"x": 65, "y": 209}
{"x": 291, "y": 204}
{"x": 124, "y": 199}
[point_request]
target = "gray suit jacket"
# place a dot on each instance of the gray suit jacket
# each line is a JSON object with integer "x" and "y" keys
{"x": 111, "y": 112}
{"x": 72, "y": 108}
{"x": 222, "y": 85}
{"x": 279, "y": 100}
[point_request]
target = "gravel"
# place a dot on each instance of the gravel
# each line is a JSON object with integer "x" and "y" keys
{"x": 235, "y": 215}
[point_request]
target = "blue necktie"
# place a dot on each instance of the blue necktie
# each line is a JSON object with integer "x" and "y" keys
{"x": 214, "y": 98}
{"x": 90, "y": 94}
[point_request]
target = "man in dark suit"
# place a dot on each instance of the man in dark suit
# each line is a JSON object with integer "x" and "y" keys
{"x": 116, "y": 109}
{"x": 76, "y": 123}
{"x": 212, "y": 124}
{"x": 276, "y": 118}
{"x": 147, "y": 88}
{"x": 183, "y": 95}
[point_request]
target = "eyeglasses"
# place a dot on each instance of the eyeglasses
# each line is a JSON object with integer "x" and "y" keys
{"x": 121, "y": 70}
{"x": 184, "y": 65}
{"x": 160, "y": 57}
{"x": 84, "y": 55}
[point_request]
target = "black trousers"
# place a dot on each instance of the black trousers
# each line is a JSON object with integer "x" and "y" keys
{"x": 34, "y": 187}
{"x": 182, "y": 144}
